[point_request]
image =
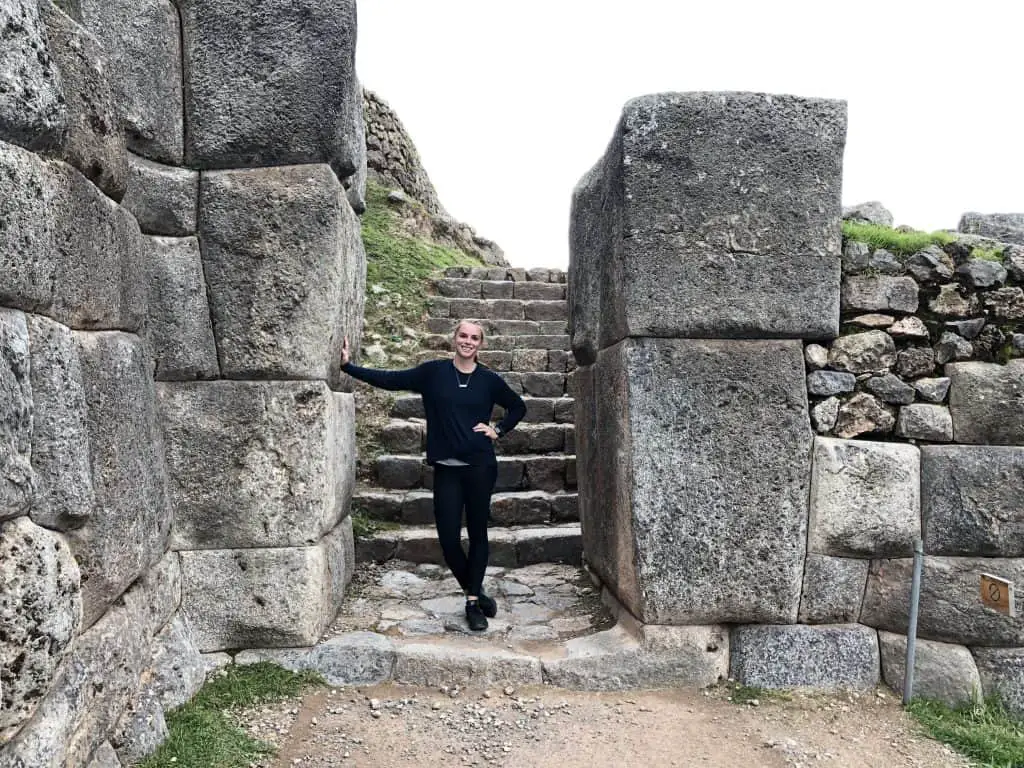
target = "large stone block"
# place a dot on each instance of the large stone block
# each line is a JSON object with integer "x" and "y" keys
{"x": 986, "y": 401}
{"x": 129, "y": 528}
{"x": 156, "y": 595}
{"x": 708, "y": 212}
{"x": 824, "y": 657}
{"x": 33, "y": 109}
{"x": 79, "y": 712}
{"x": 99, "y": 280}
{"x": 942, "y": 671}
{"x": 179, "y": 321}
{"x": 340, "y": 548}
{"x": 67, "y": 251}
{"x": 722, "y": 536}
{"x": 142, "y": 44}
{"x": 865, "y": 498}
{"x": 18, "y": 484}
{"x": 270, "y": 82}
{"x": 257, "y": 598}
{"x": 1002, "y": 675}
{"x": 951, "y": 610}
{"x": 60, "y": 438}
{"x": 177, "y": 668}
{"x": 256, "y": 464}
{"x": 972, "y": 500}
{"x": 283, "y": 264}
{"x": 40, "y": 614}
{"x": 660, "y": 656}
{"x": 27, "y": 240}
{"x": 833, "y": 589}
{"x": 94, "y": 141}
{"x": 163, "y": 199}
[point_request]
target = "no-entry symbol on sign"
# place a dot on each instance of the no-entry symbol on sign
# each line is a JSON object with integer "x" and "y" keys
{"x": 997, "y": 594}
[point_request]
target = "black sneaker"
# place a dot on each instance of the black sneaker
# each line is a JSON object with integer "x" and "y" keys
{"x": 475, "y": 617}
{"x": 488, "y": 606}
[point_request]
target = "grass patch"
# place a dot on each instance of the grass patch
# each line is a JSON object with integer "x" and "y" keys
{"x": 985, "y": 732}
{"x": 745, "y": 694}
{"x": 399, "y": 266}
{"x": 202, "y": 734}
{"x": 902, "y": 243}
{"x": 364, "y": 526}
{"x": 987, "y": 254}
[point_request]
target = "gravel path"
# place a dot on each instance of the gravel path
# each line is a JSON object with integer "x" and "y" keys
{"x": 545, "y": 727}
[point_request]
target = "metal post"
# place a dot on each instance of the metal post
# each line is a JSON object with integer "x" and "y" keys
{"x": 915, "y": 598}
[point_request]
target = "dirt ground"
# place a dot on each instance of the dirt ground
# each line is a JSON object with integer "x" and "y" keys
{"x": 542, "y": 727}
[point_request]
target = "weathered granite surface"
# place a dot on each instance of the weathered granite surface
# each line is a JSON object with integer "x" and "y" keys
{"x": 950, "y": 609}
{"x": 18, "y": 484}
{"x": 267, "y": 84}
{"x": 129, "y": 528}
{"x": 734, "y": 414}
{"x": 972, "y": 500}
{"x": 61, "y": 456}
{"x": 865, "y": 498}
{"x": 691, "y": 240}
{"x": 179, "y": 324}
{"x": 142, "y": 44}
{"x": 40, "y": 615}
{"x": 823, "y": 657}
{"x": 33, "y": 108}
{"x": 94, "y": 140}
{"x": 256, "y": 464}
{"x": 284, "y": 270}
{"x": 942, "y": 671}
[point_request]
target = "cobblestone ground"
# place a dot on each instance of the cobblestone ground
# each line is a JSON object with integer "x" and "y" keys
{"x": 538, "y": 605}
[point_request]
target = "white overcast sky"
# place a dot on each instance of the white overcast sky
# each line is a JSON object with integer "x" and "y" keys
{"x": 509, "y": 103}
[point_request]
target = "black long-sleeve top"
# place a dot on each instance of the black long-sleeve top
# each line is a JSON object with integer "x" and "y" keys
{"x": 454, "y": 403}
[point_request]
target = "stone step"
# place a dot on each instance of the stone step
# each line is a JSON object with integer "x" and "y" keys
{"x": 552, "y": 473}
{"x": 510, "y": 547}
{"x": 410, "y": 436}
{"x": 539, "y": 410}
{"x": 498, "y": 309}
{"x": 515, "y": 274}
{"x": 507, "y": 508}
{"x": 468, "y": 288}
{"x": 437, "y": 344}
{"x": 446, "y": 327}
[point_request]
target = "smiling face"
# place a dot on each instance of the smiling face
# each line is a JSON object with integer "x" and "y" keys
{"x": 469, "y": 337}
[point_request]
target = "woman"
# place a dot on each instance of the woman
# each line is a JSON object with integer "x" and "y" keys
{"x": 458, "y": 398}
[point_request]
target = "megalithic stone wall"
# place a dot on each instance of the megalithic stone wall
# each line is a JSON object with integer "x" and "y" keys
{"x": 709, "y": 228}
{"x": 180, "y": 261}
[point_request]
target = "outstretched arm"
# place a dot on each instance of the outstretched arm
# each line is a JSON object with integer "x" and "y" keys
{"x": 409, "y": 379}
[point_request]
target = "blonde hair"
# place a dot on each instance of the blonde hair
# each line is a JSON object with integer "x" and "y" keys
{"x": 463, "y": 322}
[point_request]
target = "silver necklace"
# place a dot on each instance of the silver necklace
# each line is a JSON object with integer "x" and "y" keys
{"x": 458, "y": 379}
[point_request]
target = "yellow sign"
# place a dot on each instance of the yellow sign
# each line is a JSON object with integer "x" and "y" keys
{"x": 997, "y": 594}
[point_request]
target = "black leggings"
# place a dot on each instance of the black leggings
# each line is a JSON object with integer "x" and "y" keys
{"x": 455, "y": 489}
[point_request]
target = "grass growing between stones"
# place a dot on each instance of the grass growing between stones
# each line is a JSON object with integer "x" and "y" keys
{"x": 751, "y": 694}
{"x": 985, "y": 732}
{"x": 399, "y": 265}
{"x": 902, "y": 243}
{"x": 987, "y": 254}
{"x": 202, "y": 733}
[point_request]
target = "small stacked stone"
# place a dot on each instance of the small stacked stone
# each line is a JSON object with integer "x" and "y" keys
{"x": 906, "y": 323}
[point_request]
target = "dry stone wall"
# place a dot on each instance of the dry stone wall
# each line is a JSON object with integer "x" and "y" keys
{"x": 179, "y": 263}
{"x": 768, "y": 419}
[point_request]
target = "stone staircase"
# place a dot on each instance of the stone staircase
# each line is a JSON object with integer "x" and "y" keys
{"x": 534, "y": 512}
